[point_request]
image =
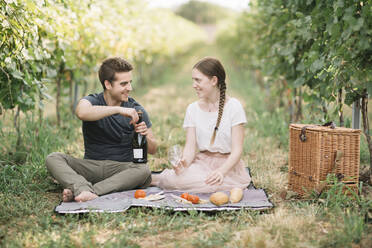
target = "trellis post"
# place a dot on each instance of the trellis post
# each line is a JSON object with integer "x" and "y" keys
{"x": 356, "y": 119}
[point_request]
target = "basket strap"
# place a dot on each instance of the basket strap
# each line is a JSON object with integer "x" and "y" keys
{"x": 311, "y": 178}
{"x": 303, "y": 137}
{"x": 330, "y": 124}
{"x": 303, "y": 134}
{"x": 319, "y": 189}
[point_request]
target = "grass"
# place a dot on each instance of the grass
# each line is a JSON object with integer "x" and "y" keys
{"x": 28, "y": 195}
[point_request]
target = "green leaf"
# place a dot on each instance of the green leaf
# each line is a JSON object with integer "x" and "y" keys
{"x": 358, "y": 25}
{"x": 17, "y": 74}
{"x": 317, "y": 65}
{"x": 339, "y": 4}
{"x": 299, "y": 82}
{"x": 51, "y": 73}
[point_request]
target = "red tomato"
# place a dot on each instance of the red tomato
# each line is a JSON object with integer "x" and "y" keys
{"x": 139, "y": 194}
{"x": 185, "y": 196}
{"x": 194, "y": 199}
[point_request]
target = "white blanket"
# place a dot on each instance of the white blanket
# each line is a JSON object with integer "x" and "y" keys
{"x": 119, "y": 202}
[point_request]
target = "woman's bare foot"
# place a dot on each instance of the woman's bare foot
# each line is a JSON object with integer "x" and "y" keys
{"x": 67, "y": 195}
{"x": 85, "y": 196}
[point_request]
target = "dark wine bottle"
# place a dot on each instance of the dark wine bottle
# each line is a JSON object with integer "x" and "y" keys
{"x": 139, "y": 145}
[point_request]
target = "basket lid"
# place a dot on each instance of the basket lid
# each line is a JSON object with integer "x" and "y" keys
{"x": 319, "y": 128}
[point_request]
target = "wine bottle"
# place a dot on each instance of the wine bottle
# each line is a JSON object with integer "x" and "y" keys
{"x": 139, "y": 145}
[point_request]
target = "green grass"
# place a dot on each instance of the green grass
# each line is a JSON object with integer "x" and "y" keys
{"x": 28, "y": 195}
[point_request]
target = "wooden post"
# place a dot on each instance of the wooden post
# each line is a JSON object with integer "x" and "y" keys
{"x": 356, "y": 120}
{"x": 340, "y": 107}
{"x": 76, "y": 95}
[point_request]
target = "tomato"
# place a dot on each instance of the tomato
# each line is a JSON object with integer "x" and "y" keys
{"x": 194, "y": 199}
{"x": 185, "y": 196}
{"x": 139, "y": 194}
{"x": 189, "y": 197}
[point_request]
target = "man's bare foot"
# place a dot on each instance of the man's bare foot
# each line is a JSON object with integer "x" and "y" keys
{"x": 67, "y": 195}
{"x": 85, "y": 196}
{"x": 154, "y": 181}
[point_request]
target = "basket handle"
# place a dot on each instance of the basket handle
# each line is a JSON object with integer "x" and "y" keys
{"x": 303, "y": 137}
{"x": 319, "y": 189}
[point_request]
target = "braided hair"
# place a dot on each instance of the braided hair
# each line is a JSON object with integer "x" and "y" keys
{"x": 212, "y": 67}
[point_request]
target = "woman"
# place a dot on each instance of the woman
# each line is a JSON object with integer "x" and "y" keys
{"x": 215, "y": 126}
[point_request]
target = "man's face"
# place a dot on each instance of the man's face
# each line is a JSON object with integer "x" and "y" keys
{"x": 121, "y": 86}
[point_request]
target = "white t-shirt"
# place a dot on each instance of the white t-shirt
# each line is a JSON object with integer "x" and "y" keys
{"x": 204, "y": 122}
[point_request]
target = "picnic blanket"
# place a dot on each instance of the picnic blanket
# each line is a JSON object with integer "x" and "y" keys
{"x": 119, "y": 202}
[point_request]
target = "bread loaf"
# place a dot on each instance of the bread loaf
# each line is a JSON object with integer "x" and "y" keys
{"x": 219, "y": 198}
{"x": 236, "y": 195}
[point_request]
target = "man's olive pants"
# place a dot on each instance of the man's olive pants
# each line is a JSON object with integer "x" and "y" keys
{"x": 97, "y": 176}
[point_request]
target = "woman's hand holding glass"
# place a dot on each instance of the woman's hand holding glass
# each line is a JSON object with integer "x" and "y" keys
{"x": 180, "y": 167}
{"x": 174, "y": 156}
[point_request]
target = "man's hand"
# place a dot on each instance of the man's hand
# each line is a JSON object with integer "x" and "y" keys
{"x": 141, "y": 128}
{"x": 130, "y": 112}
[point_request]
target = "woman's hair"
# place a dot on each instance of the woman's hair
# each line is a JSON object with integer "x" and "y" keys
{"x": 110, "y": 66}
{"x": 212, "y": 67}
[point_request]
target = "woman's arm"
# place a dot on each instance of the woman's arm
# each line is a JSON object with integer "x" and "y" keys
{"x": 237, "y": 141}
{"x": 189, "y": 151}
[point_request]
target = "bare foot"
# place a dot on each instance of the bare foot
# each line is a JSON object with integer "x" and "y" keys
{"x": 154, "y": 181}
{"x": 85, "y": 196}
{"x": 67, "y": 195}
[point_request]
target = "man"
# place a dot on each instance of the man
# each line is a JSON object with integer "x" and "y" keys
{"x": 109, "y": 121}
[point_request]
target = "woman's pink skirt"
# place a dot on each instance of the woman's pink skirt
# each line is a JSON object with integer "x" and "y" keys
{"x": 192, "y": 179}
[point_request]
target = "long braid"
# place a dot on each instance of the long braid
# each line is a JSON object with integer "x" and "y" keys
{"x": 212, "y": 67}
{"x": 222, "y": 86}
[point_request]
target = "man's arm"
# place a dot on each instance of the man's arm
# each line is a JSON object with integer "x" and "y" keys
{"x": 151, "y": 142}
{"x": 85, "y": 111}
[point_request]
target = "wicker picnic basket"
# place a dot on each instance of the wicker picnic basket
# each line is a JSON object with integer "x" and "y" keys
{"x": 316, "y": 151}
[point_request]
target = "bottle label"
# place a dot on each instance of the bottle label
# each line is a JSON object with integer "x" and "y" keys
{"x": 137, "y": 153}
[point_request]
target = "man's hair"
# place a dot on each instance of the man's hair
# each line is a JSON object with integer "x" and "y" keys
{"x": 110, "y": 66}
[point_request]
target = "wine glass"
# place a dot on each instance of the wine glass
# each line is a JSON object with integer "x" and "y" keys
{"x": 174, "y": 155}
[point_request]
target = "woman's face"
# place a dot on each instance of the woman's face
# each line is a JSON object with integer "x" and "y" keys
{"x": 203, "y": 85}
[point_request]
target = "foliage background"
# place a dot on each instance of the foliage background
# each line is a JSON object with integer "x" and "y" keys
{"x": 286, "y": 61}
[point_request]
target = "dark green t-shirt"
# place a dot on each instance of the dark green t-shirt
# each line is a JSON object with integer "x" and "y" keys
{"x": 110, "y": 138}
